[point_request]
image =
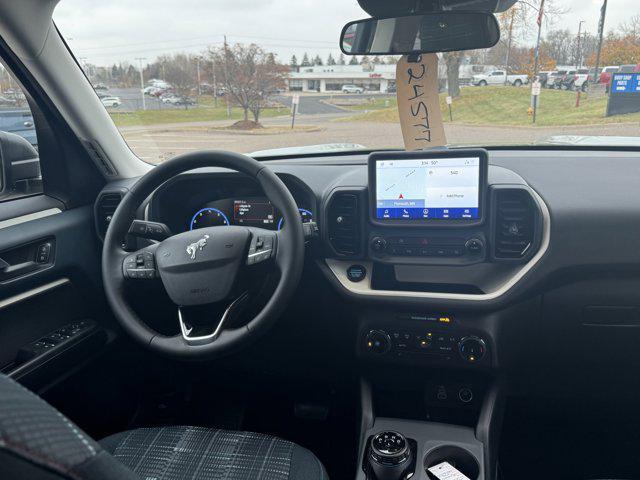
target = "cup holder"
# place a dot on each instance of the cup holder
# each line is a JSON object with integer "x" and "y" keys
{"x": 458, "y": 457}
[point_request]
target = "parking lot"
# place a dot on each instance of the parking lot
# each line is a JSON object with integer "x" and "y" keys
{"x": 155, "y": 144}
{"x": 131, "y": 99}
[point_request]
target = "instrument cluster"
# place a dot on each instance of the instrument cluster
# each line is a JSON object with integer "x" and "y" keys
{"x": 247, "y": 211}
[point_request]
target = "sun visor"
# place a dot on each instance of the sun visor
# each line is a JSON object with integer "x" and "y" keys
{"x": 391, "y": 8}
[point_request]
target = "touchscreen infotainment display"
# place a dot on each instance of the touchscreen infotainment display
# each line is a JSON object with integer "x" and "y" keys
{"x": 437, "y": 188}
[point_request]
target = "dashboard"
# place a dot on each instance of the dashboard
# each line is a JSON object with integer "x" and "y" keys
{"x": 545, "y": 219}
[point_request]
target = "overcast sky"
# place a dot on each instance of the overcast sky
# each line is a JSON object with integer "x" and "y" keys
{"x": 106, "y": 31}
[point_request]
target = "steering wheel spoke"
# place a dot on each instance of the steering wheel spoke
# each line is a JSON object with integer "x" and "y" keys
{"x": 140, "y": 265}
{"x": 262, "y": 247}
{"x": 198, "y": 334}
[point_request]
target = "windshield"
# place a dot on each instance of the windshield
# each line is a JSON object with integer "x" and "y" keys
{"x": 229, "y": 75}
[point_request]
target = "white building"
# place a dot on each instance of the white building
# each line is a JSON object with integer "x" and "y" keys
{"x": 375, "y": 78}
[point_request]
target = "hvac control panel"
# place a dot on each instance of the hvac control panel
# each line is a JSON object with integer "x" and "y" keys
{"x": 425, "y": 246}
{"x": 425, "y": 338}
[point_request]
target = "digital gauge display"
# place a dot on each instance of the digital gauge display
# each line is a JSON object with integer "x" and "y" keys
{"x": 256, "y": 213}
{"x": 208, "y": 217}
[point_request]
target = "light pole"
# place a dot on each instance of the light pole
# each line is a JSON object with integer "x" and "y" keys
{"x": 603, "y": 13}
{"x": 198, "y": 74}
{"x": 579, "y": 46}
{"x": 140, "y": 60}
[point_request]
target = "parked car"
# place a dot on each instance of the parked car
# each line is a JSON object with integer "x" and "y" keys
{"x": 175, "y": 100}
{"x": 19, "y": 122}
{"x": 352, "y": 89}
{"x": 555, "y": 80}
{"x": 575, "y": 79}
{"x": 630, "y": 68}
{"x": 551, "y": 76}
{"x": 6, "y": 101}
{"x": 499, "y": 77}
{"x": 606, "y": 73}
{"x": 100, "y": 86}
{"x": 111, "y": 101}
{"x": 543, "y": 77}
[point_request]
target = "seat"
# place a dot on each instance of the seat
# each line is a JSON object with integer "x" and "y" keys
{"x": 39, "y": 443}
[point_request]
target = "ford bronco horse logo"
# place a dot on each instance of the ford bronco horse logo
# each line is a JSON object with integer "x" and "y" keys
{"x": 193, "y": 248}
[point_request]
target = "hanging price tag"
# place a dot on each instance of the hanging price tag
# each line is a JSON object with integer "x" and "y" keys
{"x": 418, "y": 102}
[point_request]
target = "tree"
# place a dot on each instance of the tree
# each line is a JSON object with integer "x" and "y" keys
{"x": 330, "y": 60}
{"x": 181, "y": 73}
{"x": 251, "y": 76}
{"x": 354, "y": 61}
{"x": 294, "y": 61}
{"x": 631, "y": 29}
{"x": 318, "y": 61}
{"x": 452, "y": 61}
{"x": 341, "y": 60}
{"x": 619, "y": 51}
{"x": 305, "y": 60}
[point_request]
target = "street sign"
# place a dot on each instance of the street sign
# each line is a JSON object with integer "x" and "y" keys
{"x": 536, "y": 88}
{"x": 295, "y": 101}
{"x": 624, "y": 96}
{"x": 449, "y": 100}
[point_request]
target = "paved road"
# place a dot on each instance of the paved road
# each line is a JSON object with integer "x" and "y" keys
{"x": 314, "y": 104}
{"x": 166, "y": 141}
{"x": 310, "y": 104}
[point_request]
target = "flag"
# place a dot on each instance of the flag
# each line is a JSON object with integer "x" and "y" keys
{"x": 540, "y": 13}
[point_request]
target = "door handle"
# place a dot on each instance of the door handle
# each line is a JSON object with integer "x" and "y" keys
{"x": 8, "y": 269}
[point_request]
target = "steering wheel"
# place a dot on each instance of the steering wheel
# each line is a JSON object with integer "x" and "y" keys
{"x": 202, "y": 267}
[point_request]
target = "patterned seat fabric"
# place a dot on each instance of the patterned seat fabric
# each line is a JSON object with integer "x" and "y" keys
{"x": 39, "y": 443}
{"x": 177, "y": 453}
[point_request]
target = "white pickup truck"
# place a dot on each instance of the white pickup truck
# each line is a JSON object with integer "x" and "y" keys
{"x": 498, "y": 77}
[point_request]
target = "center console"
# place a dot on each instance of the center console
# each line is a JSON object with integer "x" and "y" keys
{"x": 394, "y": 447}
{"x": 431, "y": 239}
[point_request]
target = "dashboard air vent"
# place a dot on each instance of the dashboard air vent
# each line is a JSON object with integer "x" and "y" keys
{"x": 515, "y": 224}
{"x": 344, "y": 224}
{"x": 105, "y": 208}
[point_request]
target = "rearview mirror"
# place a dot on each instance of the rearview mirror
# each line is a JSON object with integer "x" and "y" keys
{"x": 426, "y": 33}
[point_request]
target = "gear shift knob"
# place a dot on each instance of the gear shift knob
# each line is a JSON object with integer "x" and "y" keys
{"x": 389, "y": 456}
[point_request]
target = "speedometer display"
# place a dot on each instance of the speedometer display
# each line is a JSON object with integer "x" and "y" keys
{"x": 305, "y": 216}
{"x": 208, "y": 217}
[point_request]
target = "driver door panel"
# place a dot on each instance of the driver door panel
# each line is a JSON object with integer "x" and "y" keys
{"x": 52, "y": 315}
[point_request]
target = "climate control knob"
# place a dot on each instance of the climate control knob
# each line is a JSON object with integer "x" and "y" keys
{"x": 378, "y": 244}
{"x": 472, "y": 349}
{"x": 378, "y": 342}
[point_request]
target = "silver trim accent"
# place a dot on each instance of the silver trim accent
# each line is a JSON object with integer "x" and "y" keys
{"x": 363, "y": 288}
{"x": 29, "y": 217}
{"x": 20, "y": 297}
{"x": 251, "y": 255}
{"x": 204, "y": 339}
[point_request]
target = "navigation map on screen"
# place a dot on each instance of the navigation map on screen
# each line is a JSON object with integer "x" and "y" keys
{"x": 423, "y": 189}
